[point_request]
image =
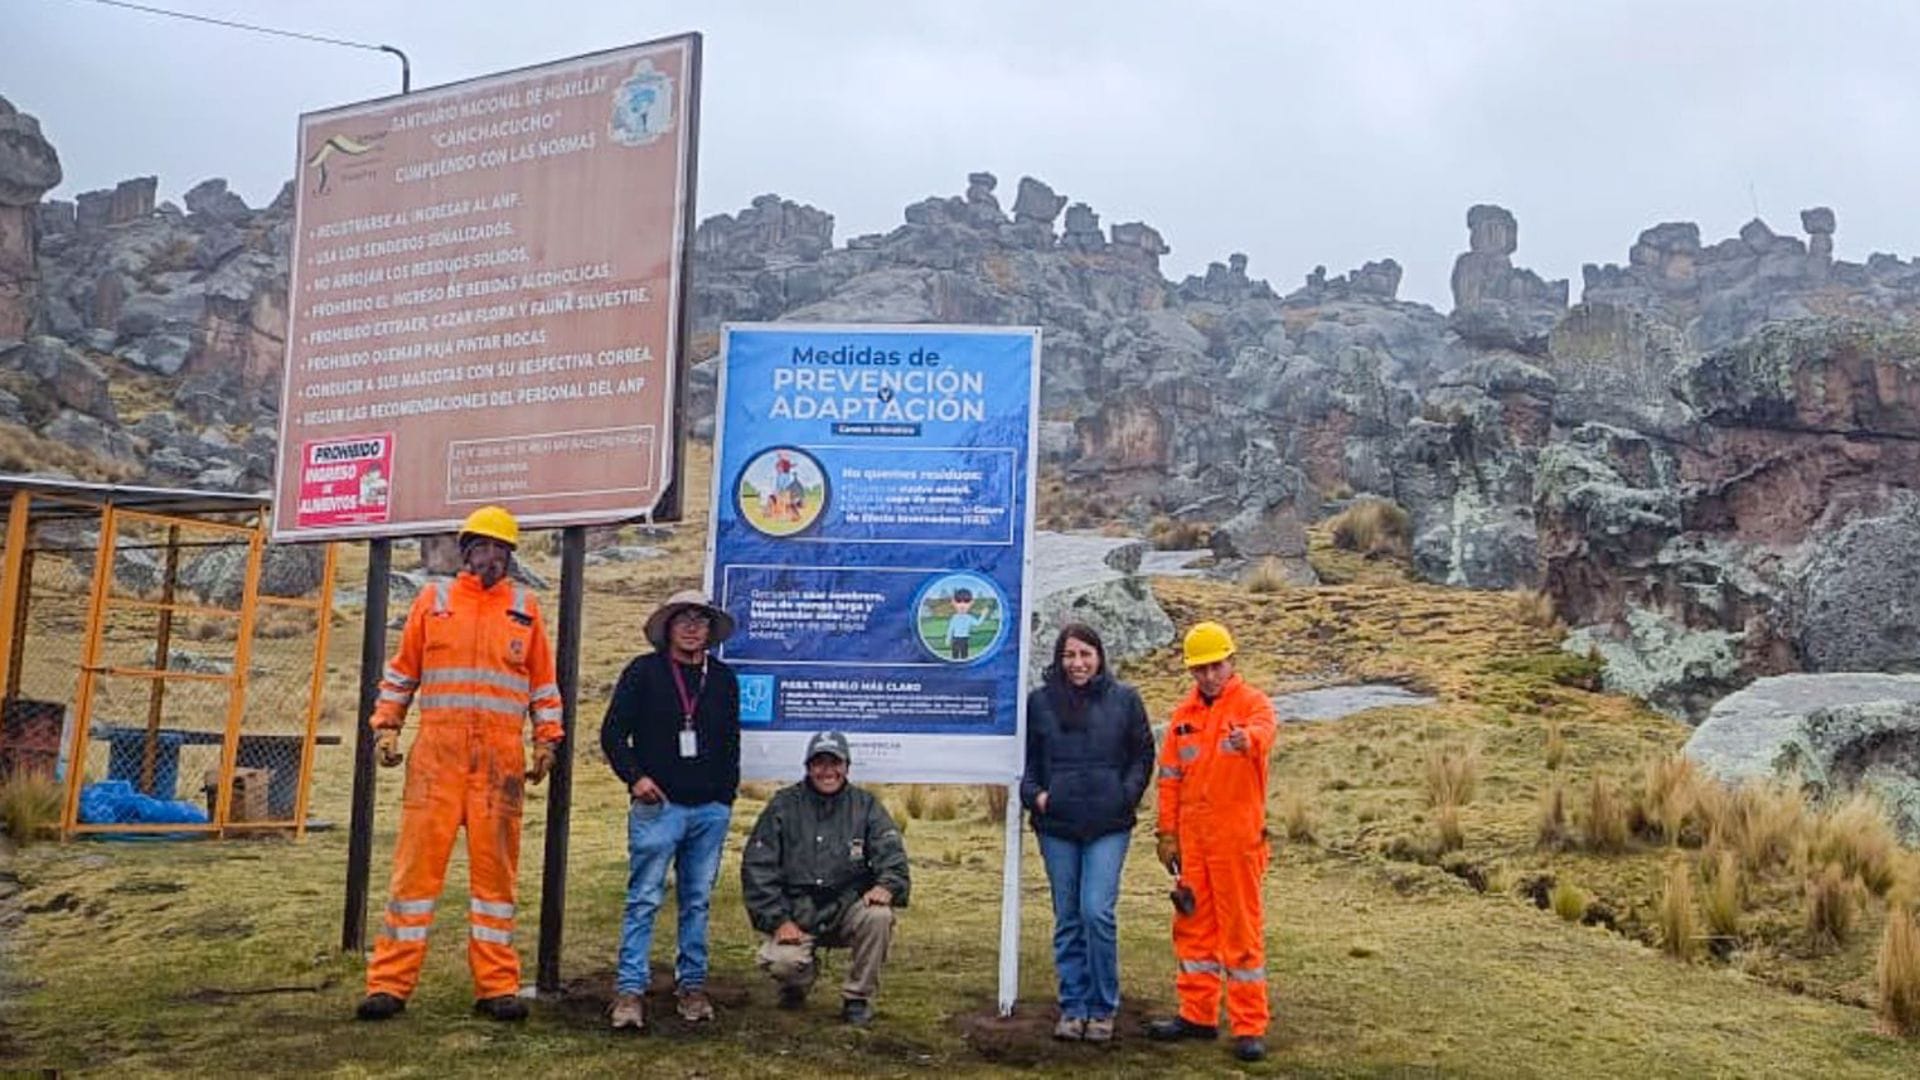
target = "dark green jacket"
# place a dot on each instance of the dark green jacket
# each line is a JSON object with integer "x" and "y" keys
{"x": 812, "y": 856}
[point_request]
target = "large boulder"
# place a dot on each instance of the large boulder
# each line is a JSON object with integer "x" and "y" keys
{"x": 28, "y": 168}
{"x": 1093, "y": 580}
{"x": 1496, "y": 305}
{"x": 1832, "y": 734}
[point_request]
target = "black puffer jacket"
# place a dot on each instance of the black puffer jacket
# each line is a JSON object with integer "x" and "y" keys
{"x": 1091, "y": 750}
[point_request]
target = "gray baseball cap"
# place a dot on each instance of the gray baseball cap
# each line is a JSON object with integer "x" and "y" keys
{"x": 829, "y": 742}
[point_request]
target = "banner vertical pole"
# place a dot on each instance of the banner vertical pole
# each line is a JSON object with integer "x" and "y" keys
{"x": 1010, "y": 906}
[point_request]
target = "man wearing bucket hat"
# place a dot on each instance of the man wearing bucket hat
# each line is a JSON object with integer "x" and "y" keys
{"x": 825, "y": 866}
{"x": 1212, "y": 837}
{"x": 672, "y": 734}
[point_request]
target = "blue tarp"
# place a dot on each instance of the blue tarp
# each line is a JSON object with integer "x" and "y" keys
{"x": 115, "y": 802}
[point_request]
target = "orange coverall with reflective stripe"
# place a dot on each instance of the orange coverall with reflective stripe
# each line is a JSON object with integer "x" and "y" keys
{"x": 476, "y": 662}
{"x": 1214, "y": 799}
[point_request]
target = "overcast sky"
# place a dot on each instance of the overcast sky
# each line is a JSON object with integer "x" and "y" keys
{"x": 1299, "y": 133}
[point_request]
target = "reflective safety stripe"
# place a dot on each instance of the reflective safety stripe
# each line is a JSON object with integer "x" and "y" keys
{"x": 393, "y": 676}
{"x": 506, "y": 680}
{"x": 1200, "y": 967}
{"x": 440, "y": 601}
{"x": 545, "y": 715}
{"x": 406, "y": 933}
{"x": 1247, "y": 974}
{"x": 410, "y": 907}
{"x": 1170, "y": 772}
{"x": 545, "y": 690}
{"x": 488, "y": 933}
{"x": 472, "y": 701}
{"x": 493, "y": 908}
{"x": 519, "y": 600}
{"x": 398, "y": 697}
{"x": 1188, "y": 753}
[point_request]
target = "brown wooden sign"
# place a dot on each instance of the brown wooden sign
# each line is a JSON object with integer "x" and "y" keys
{"x": 485, "y": 302}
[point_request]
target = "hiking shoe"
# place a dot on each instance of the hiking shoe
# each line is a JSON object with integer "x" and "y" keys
{"x": 1099, "y": 1029}
{"x": 792, "y": 997}
{"x": 505, "y": 1008}
{"x": 694, "y": 1006}
{"x": 1180, "y": 1027}
{"x": 1070, "y": 1029}
{"x": 380, "y": 1007}
{"x": 629, "y": 1011}
{"x": 856, "y": 1011}
{"x": 1249, "y": 1048}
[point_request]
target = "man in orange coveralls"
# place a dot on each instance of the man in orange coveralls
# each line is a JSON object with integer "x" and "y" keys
{"x": 475, "y": 655}
{"x": 1213, "y": 838}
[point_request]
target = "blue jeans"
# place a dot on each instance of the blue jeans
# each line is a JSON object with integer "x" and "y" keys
{"x": 690, "y": 838}
{"x": 1086, "y": 946}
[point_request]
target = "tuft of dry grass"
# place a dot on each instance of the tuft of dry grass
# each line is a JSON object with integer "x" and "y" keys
{"x": 1297, "y": 815}
{"x": 1724, "y": 902}
{"x": 1606, "y": 822}
{"x": 995, "y": 803}
{"x": 1556, "y": 747}
{"x": 1832, "y": 905}
{"x": 1896, "y": 975}
{"x": 1669, "y": 794}
{"x": 22, "y": 451}
{"x": 1551, "y": 823}
{"x": 1374, "y": 528}
{"x": 1855, "y": 837}
{"x": 1167, "y": 534}
{"x": 1447, "y": 829}
{"x": 1264, "y": 577}
{"x": 277, "y": 621}
{"x": 1679, "y": 924}
{"x": 1761, "y": 822}
{"x": 1534, "y": 608}
{"x": 29, "y": 805}
{"x": 916, "y": 801}
{"x": 1568, "y": 901}
{"x": 943, "y": 805}
{"x": 1453, "y": 772}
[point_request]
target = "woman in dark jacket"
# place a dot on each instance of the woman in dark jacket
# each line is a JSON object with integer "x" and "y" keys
{"x": 1089, "y": 756}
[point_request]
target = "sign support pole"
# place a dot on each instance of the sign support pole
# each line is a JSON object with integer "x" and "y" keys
{"x": 1010, "y": 906}
{"x": 553, "y": 868}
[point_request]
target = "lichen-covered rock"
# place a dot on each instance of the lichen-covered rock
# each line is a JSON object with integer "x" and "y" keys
{"x": 1832, "y": 734}
{"x": 1093, "y": 580}
{"x": 1858, "y": 594}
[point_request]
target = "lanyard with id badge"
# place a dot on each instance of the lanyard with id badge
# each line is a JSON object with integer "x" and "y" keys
{"x": 689, "y": 704}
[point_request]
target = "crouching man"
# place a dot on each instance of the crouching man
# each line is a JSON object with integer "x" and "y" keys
{"x": 825, "y": 866}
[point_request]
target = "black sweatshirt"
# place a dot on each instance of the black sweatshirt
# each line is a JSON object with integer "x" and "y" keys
{"x": 641, "y": 734}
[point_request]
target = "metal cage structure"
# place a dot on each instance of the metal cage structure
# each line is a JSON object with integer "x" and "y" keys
{"x": 148, "y": 653}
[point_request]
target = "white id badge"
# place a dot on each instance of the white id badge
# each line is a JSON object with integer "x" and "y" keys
{"x": 689, "y": 743}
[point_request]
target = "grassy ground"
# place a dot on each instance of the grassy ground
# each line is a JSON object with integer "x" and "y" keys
{"x": 1388, "y": 956}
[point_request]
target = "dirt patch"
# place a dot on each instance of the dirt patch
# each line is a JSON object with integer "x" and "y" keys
{"x": 586, "y": 1001}
{"x": 1026, "y": 1037}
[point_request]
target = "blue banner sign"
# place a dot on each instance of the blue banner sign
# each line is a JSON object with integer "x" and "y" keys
{"x": 872, "y": 515}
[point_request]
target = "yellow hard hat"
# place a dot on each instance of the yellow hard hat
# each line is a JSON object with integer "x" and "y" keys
{"x": 494, "y": 523}
{"x": 1207, "y": 643}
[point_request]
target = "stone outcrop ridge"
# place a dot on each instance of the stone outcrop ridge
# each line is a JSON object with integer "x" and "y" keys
{"x": 1671, "y": 456}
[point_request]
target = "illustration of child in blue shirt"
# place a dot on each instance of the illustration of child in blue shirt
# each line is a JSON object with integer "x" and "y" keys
{"x": 961, "y": 623}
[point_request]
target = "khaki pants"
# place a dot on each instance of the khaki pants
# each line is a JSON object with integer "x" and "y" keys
{"x": 865, "y": 929}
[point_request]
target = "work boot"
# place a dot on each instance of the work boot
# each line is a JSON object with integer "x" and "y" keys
{"x": 380, "y": 1007}
{"x": 1180, "y": 1027}
{"x": 629, "y": 1011}
{"x": 1249, "y": 1048}
{"x": 793, "y": 997}
{"x": 694, "y": 1005}
{"x": 1070, "y": 1029}
{"x": 856, "y": 1011}
{"x": 505, "y": 1008}
{"x": 1100, "y": 1029}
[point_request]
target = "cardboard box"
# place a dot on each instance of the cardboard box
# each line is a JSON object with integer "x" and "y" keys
{"x": 249, "y": 794}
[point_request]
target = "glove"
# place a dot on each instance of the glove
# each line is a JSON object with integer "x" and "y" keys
{"x": 386, "y": 746}
{"x": 1168, "y": 851}
{"x": 542, "y": 763}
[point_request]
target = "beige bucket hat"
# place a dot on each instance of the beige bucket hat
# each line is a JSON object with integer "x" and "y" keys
{"x": 679, "y": 602}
